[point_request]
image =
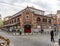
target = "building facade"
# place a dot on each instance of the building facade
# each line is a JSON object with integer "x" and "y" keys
{"x": 7, "y": 18}
{"x": 28, "y": 19}
{"x": 57, "y": 20}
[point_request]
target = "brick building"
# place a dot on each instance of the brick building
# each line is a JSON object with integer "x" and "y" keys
{"x": 57, "y": 20}
{"x": 7, "y": 18}
{"x": 29, "y": 18}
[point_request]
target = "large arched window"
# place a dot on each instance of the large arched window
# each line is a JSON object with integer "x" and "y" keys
{"x": 18, "y": 19}
{"x": 38, "y": 19}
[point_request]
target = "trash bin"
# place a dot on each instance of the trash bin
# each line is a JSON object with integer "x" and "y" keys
{"x": 59, "y": 42}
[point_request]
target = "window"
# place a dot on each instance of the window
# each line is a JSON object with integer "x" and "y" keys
{"x": 10, "y": 22}
{"x": 54, "y": 24}
{"x": 27, "y": 12}
{"x": 44, "y": 20}
{"x": 38, "y": 19}
{"x": 58, "y": 20}
{"x": 18, "y": 19}
{"x": 14, "y": 20}
{"x": 49, "y": 21}
{"x": 27, "y": 16}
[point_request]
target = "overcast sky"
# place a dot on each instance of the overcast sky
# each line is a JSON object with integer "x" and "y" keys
{"x": 10, "y": 7}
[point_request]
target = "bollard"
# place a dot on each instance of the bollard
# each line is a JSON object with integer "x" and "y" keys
{"x": 20, "y": 32}
{"x": 59, "y": 42}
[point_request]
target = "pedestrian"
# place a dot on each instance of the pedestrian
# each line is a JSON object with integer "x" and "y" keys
{"x": 56, "y": 32}
{"x": 10, "y": 30}
{"x": 42, "y": 31}
{"x": 52, "y": 35}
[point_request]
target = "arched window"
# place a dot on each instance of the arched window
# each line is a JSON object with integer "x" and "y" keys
{"x": 18, "y": 19}
{"x": 38, "y": 19}
{"x": 14, "y": 20}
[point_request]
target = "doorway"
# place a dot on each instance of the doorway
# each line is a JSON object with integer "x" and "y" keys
{"x": 27, "y": 29}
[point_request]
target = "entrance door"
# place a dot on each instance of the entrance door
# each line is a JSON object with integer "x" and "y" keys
{"x": 27, "y": 28}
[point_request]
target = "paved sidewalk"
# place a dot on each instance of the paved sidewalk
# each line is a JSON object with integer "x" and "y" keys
{"x": 43, "y": 39}
{"x": 30, "y": 40}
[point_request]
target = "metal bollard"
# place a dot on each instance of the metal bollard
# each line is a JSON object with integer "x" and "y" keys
{"x": 59, "y": 42}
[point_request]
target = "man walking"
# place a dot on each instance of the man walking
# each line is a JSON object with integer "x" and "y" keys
{"x": 52, "y": 36}
{"x": 42, "y": 31}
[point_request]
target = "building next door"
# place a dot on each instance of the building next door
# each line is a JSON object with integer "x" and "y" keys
{"x": 27, "y": 29}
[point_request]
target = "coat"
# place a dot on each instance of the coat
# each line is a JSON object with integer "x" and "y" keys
{"x": 52, "y": 33}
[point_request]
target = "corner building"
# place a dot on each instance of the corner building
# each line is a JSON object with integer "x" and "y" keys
{"x": 28, "y": 19}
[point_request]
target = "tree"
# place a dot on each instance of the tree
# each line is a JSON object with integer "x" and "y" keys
{"x": 1, "y": 23}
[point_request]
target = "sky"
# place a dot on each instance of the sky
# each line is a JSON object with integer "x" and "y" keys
{"x": 10, "y": 7}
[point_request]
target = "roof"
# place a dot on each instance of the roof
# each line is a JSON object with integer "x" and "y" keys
{"x": 8, "y": 17}
{"x": 36, "y": 11}
{"x": 50, "y": 15}
{"x": 44, "y": 16}
{"x": 33, "y": 10}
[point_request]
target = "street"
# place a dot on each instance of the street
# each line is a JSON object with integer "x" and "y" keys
{"x": 29, "y": 40}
